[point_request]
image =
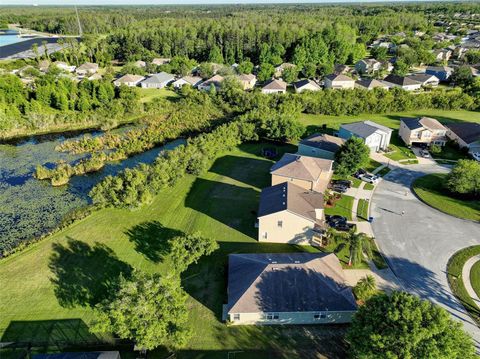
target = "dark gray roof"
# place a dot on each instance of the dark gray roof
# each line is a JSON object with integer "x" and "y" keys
{"x": 364, "y": 128}
{"x": 422, "y": 78}
{"x": 324, "y": 142}
{"x": 400, "y": 80}
{"x": 371, "y": 83}
{"x": 469, "y": 132}
{"x": 160, "y": 78}
{"x": 439, "y": 69}
{"x": 412, "y": 123}
{"x": 296, "y": 282}
{"x": 287, "y": 196}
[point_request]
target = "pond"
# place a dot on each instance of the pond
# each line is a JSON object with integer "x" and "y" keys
{"x": 29, "y": 207}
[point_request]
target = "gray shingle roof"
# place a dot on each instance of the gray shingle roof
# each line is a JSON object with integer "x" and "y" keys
{"x": 412, "y": 123}
{"x": 159, "y": 78}
{"x": 275, "y": 85}
{"x": 296, "y": 282}
{"x": 469, "y": 132}
{"x": 364, "y": 128}
{"x": 400, "y": 80}
{"x": 370, "y": 83}
{"x": 287, "y": 196}
{"x": 338, "y": 77}
{"x": 323, "y": 142}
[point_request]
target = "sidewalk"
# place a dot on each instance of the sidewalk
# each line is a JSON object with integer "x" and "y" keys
{"x": 466, "y": 278}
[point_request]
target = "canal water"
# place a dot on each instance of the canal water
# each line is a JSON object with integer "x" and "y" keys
{"x": 29, "y": 207}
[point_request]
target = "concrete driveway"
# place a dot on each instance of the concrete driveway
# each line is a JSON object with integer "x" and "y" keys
{"x": 419, "y": 243}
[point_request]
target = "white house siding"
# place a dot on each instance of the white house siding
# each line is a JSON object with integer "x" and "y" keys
{"x": 294, "y": 229}
{"x": 305, "y": 150}
{"x": 268, "y": 91}
{"x": 339, "y": 84}
{"x": 285, "y": 318}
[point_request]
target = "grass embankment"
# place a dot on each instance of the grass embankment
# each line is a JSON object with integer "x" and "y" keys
{"x": 48, "y": 289}
{"x": 455, "y": 279}
{"x": 475, "y": 278}
{"x": 430, "y": 190}
{"x": 342, "y": 207}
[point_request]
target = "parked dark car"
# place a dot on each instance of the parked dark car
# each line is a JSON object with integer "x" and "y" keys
{"x": 339, "y": 188}
{"x": 345, "y": 183}
{"x": 344, "y": 227}
{"x": 360, "y": 172}
{"x": 335, "y": 219}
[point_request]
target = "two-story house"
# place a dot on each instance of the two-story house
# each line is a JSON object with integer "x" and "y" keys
{"x": 422, "y": 130}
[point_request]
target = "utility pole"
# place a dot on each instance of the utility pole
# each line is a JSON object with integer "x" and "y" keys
{"x": 80, "y": 32}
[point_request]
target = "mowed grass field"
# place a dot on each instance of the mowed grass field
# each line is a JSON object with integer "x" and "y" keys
{"x": 48, "y": 290}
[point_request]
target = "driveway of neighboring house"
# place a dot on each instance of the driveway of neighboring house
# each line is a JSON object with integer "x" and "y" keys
{"x": 418, "y": 240}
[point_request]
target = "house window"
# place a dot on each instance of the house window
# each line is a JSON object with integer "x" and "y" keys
{"x": 264, "y": 236}
{"x": 320, "y": 315}
{"x": 280, "y": 224}
{"x": 236, "y": 317}
{"x": 272, "y": 316}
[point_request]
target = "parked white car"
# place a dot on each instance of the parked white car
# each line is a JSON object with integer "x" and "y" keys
{"x": 369, "y": 178}
{"x": 476, "y": 156}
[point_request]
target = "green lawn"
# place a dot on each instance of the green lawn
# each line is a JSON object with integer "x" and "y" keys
{"x": 368, "y": 186}
{"x": 372, "y": 165}
{"x": 430, "y": 190}
{"x": 454, "y": 273}
{"x": 342, "y": 207}
{"x": 362, "y": 210}
{"x": 147, "y": 94}
{"x": 48, "y": 289}
{"x": 475, "y": 278}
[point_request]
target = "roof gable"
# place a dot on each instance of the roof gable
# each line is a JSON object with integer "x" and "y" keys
{"x": 301, "y": 167}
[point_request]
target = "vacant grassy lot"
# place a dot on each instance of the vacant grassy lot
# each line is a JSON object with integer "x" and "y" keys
{"x": 342, "y": 207}
{"x": 454, "y": 272}
{"x": 430, "y": 190}
{"x": 48, "y": 290}
{"x": 148, "y": 94}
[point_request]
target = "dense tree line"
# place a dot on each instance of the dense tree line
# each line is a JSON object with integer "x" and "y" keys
{"x": 53, "y": 99}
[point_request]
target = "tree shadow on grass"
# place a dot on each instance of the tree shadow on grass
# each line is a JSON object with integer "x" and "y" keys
{"x": 151, "y": 239}
{"x": 251, "y": 171}
{"x": 232, "y": 205}
{"x": 47, "y": 332}
{"x": 85, "y": 275}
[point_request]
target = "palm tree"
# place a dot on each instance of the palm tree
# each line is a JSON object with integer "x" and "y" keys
{"x": 359, "y": 244}
{"x": 365, "y": 287}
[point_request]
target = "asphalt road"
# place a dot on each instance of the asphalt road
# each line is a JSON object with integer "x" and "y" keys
{"x": 419, "y": 242}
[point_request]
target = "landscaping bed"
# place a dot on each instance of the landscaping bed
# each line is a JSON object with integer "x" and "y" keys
{"x": 430, "y": 190}
{"x": 455, "y": 279}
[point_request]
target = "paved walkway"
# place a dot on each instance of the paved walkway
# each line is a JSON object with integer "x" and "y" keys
{"x": 418, "y": 244}
{"x": 466, "y": 278}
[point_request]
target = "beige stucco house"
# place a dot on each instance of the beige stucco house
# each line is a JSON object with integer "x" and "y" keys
{"x": 338, "y": 81}
{"x": 307, "y": 172}
{"x": 275, "y": 86}
{"x": 287, "y": 288}
{"x": 247, "y": 81}
{"x": 129, "y": 80}
{"x": 424, "y": 130}
{"x": 290, "y": 214}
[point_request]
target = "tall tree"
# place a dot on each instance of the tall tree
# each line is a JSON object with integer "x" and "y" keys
{"x": 148, "y": 309}
{"x": 352, "y": 156}
{"x": 403, "y": 326}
